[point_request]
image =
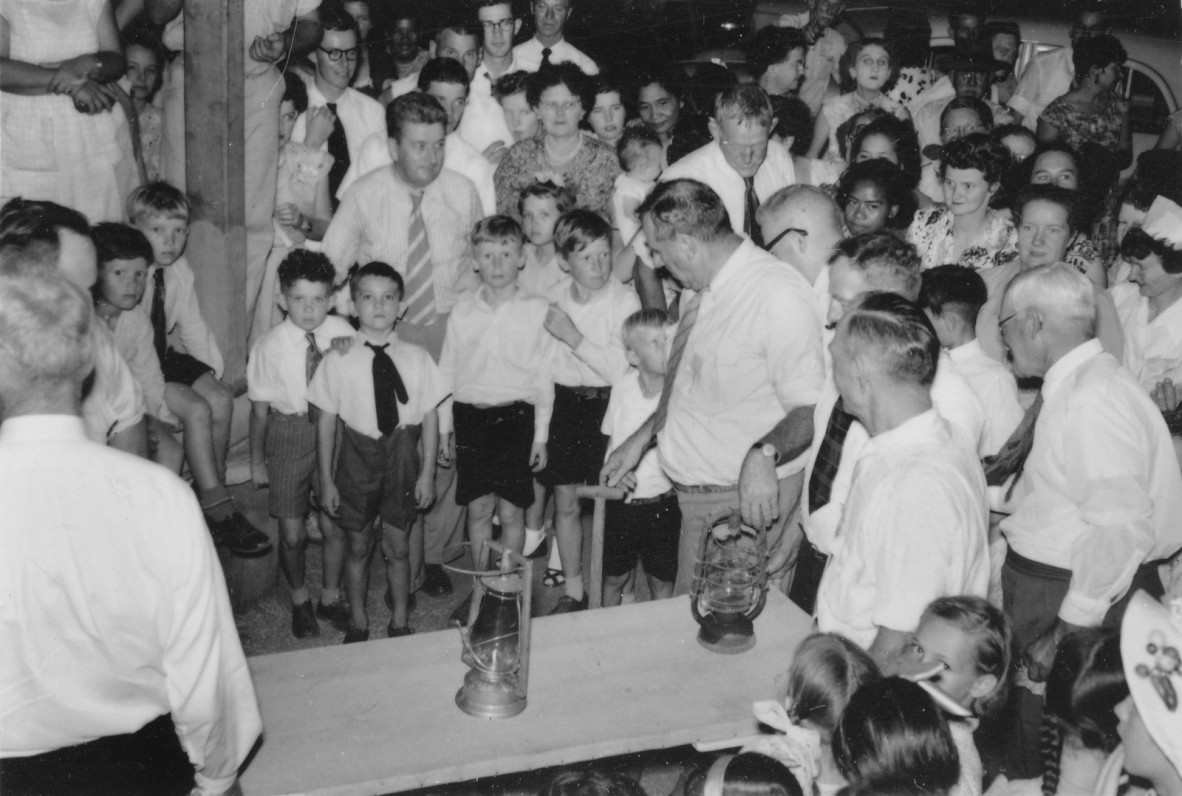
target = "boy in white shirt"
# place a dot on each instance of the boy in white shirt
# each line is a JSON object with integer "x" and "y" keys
{"x": 588, "y": 317}
{"x": 647, "y": 524}
{"x": 540, "y": 205}
{"x": 640, "y": 152}
{"x": 283, "y": 430}
{"x": 385, "y": 391}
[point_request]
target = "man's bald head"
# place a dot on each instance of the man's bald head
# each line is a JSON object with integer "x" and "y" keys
{"x": 804, "y": 209}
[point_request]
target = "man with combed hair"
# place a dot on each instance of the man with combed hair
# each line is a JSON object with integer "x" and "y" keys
{"x": 746, "y": 356}
{"x": 548, "y": 46}
{"x": 916, "y": 520}
{"x": 1094, "y": 489}
{"x": 118, "y": 638}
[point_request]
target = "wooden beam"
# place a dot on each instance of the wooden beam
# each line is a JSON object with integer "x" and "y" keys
{"x": 215, "y": 172}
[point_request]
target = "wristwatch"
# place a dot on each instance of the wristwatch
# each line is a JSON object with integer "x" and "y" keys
{"x": 768, "y": 450}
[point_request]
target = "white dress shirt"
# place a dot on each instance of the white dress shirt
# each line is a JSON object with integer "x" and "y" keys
{"x": 1153, "y": 349}
{"x": 599, "y": 360}
{"x": 915, "y": 528}
{"x": 541, "y": 279}
{"x": 373, "y": 223}
{"x": 115, "y": 608}
{"x": 952, "y": 398}
{"x": 277, "y": 370}
{"x": 498, "y": 355}
{"x": 484, "y": 122}
{"x": 528, "y": 56}
{"x": 1101, "y": 492}
{"x": 116, "y": 401}
{"x": 343, "y": 384}
{"x": 754, "y": 355}
{"x": 628, "y": 409}
{"x": 458, "y": 156}
{"x": 135, "y": 341}
{"x": 996, "y": 389}
{"x": 1046, "y": 78}
{"x": 182, "y": 314}
{"x": 361, "y": 116}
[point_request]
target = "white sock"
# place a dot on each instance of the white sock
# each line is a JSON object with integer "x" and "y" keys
{"x": 574, "y": 587}
{"x": 533, "y": 540}
{"x": 330, "y": 596}
{"x": 300, "y": 596}
{"x": 555, "y": 559}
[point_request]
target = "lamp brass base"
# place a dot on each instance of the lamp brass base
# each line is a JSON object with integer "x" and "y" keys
{"x": 486, "y": 698}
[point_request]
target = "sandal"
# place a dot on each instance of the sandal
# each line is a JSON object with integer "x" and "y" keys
{"x": 553, "y": 577}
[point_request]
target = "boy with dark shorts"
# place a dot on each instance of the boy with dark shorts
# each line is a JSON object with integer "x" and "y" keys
{"x": 647, "y": 524}
{"x": 587, "y": 317}
{"x": 496, "y": 361}
{"x": 283, "y": 430}
{"x": 386, "y": 392}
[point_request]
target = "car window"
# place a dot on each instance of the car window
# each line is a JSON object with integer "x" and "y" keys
{"x": 1148, "y": 107}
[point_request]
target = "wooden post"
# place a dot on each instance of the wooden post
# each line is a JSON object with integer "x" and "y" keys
{"x": 215, "y": 172}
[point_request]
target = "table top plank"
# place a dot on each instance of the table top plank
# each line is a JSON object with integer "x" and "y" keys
{"x": 380, "y": 717}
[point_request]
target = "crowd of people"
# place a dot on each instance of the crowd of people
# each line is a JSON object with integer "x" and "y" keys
{"x": 919, "y": 323}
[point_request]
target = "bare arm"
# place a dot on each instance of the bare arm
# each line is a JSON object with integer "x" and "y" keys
{"x": 304, "y": 34}
{"x": 133, "y": 440}
{"x": 820, "y": 136}
{"x": 161, "y": 12}
{"x": 758, "y": 486}
{"x": 258, "y": 439}
{"x": 648, "y": 286}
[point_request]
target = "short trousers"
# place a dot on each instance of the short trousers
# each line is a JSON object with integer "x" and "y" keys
{"x": 376, "y": 478}
{"x": 648, "y": 531}
{"x": 493, "y": 445}
{"x": 291, "y": 464}
{"x": 181, "y": 368}
{"x": 577, "y": 447}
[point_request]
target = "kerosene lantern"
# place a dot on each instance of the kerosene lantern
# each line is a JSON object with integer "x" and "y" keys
{"x": 496, "y": 641}
{"x": 730, "y": 584}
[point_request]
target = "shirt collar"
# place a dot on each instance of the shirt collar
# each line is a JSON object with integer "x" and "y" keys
{"x": 553, "y": 48}
{"x": 970, "y": 350}
{"x": 733, "y": 264}
{"x": 921, "y": 428}
{"x": 1068, "y": 364}
{"x": 316, "y": 98}
{"x": 42, "y": 428}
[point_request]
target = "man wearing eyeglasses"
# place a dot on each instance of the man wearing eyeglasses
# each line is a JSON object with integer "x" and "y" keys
{"x": 355, "y": 116}
{"x": 483, "y": 125}
{"x": 548, "y": 46}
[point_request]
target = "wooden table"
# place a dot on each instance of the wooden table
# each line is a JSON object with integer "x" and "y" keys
{"x": 380, "y": 717}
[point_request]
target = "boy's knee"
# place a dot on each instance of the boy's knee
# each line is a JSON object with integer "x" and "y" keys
{"x": 360, "y": 543}
{"x": 219, "y": 398}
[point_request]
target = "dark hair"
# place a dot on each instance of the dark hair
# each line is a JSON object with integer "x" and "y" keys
{"x": 902, "y": 135}
{"x": 984, "y": 623}
{"x": 333, "y": 16}
{"x": 417, "y": 107}
{"x": 307, "y": 265}
{"x": 904, "y": 342}
{"x": 794, "y": 120}
{"x": 686, "y": 207}
{"x": 443, "y": 70}
{"x": 850, "y": 59}
{"x": 753, "y": 774}
{"x": 1097, "y": 52}
{"x": 910, "y": 35}
{"x": 1085, "y": 684}
{"x": 579, "y": 228}
{"x": 497, "y": 229}
{"x": 847, "y": 130}
{"x": 953, "y": 288}
{"x": 378, "y": 269}
{"x": 461, "y": 27}
{"x": 512, "y": 83}
{"x": 977, "y": 151}
{"x": 1158, "y": 173}
{"x": 590, "y": 783}
{"x": 701, "y": 91}
{"x": 771, "y": 45}
{"x": 974, "y": 104}
{"x": 157, "y": 198}
{"x": 889, "y": 179}
{"x": 142, "y": 34}
{"x": 563, "y": 198}
{"x": 826, "y": 670}
{"x": 634, "y": 136}
{"x": 564, "y": 74}
{"x": 120, "y": 242}
{"x": 892, "y": 735}
{"x": 996, "y": 27}
{"x": 1003, "y": 131}
{"x": 888, "y": 263}
{"x": 1138, "y": 244}
{"x": 1064, "y": 197}
{"x": 27, "y": 221}
{"x": 295, "y": 91}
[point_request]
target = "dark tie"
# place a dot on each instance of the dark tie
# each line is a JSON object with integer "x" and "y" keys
{"x": 1011, "y": 459}
{"x": 689, "y": 315}
{"x": 829, "y": 457}
{"x": 546, "y": 56}
{"x": 311, "y": 361}
{"x": 159, "y": 324}
{"x": 388, "y": 389}
{"x": 750, "y": 228}
{"x": 338, "y": 147}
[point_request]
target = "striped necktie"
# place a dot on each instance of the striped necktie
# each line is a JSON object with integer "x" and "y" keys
{"x": 829, "y": 457}
{"x": 420, "y": 291}
{"x": 689, "y": 315}
{"x": 311, "y": 361}
{"x": 1011, "y": 459}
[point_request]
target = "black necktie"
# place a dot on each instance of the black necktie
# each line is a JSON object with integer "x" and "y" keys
{"x": 1011, "y": 459}
{"x": 388, "y": 389}
{"x": 311, "y": 361}
{"x": 159, "y": 324}
{"x": 750, "y": 228}
{"x": 829, "y": 457}
{"x": 546, "y": 56}
{"x": 338, "y": 147}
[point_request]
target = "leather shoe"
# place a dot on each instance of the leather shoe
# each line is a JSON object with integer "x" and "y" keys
{"x": 459, "y": 617}
{"x": 398, "y": 632}
{"x": 303, "y": 621}
{"x": 568, "y": 605}
{"x": 388, "y": 599}
{"x": 240, "y": 537}
{"x": 541, "y": 551}
{"x": 336, "y": 614}
{"x": 436, "y": 583}
{"x": 356, "y": 634}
